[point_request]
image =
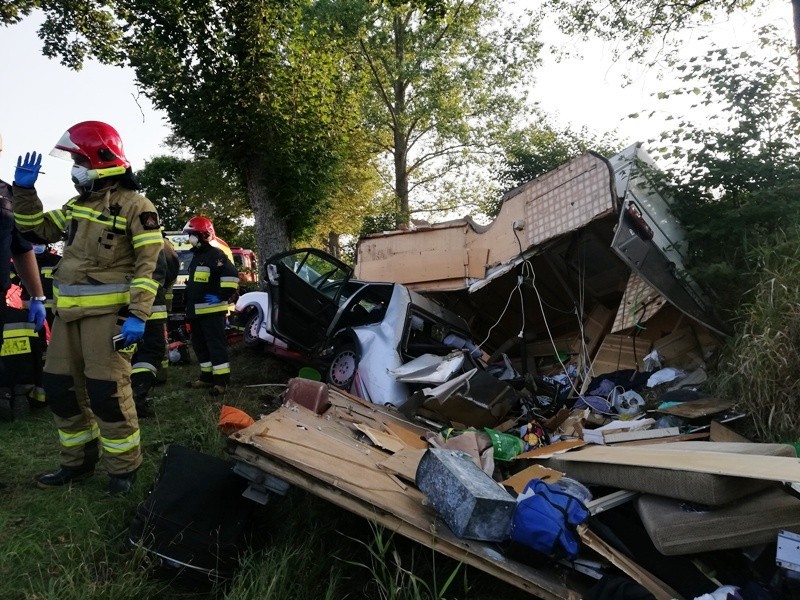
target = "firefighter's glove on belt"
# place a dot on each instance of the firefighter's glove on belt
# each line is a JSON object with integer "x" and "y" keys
{"x": 211, "y": 298}
{"x": 132, "y": 330}
{"x": 28, "y": 169}
{"x": 36, "y": 314}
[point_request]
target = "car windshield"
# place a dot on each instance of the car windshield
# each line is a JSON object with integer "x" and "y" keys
{"x": 319, "y": 273}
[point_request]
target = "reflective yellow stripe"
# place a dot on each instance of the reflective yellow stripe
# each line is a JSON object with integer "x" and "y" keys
{"x": 93, "y": 301}
{"x": 26, "y": 220}
{"x": 229, "y": 282}
{"x": 83, "y": 212}
{"x": 57, "y": 216}
{"x": 47, "y": 272}
{"x": 159, "y": 315}
{"x": 70, "y": 440}
{"x": 145, "y": 283}
{"x": 205, "y": 367}
{"x": 204, "y": 309}
{"x": 150, "y": 237}
{"x": 37, "y": 395}
{"x": 19, "y": 330}
{"x": 121, "y": 445}
{"x": 168, "y": 296}
{"x": 221, "y": 369}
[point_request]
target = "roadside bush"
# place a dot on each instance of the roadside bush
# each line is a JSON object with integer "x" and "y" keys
{"x": 761, "y": 361}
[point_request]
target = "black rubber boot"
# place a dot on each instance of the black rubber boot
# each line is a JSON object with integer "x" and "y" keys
{"x": 120, "y": 485}
{"x": 144, "y": 410}
{"x": 63, "y": 476}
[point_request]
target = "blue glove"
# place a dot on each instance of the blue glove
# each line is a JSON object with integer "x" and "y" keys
{"x": 132, "y": 330}
{"x": 36, "y": 314}
{"x": 28, "y": 170}
{"x": 211, "y": 298}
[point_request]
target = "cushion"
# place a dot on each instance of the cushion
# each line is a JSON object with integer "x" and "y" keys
{"x": 678, "y": 527}
{"x": 703, "y": 488}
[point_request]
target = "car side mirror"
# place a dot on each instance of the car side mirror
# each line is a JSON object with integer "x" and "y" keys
{"x": 272, "y": 274}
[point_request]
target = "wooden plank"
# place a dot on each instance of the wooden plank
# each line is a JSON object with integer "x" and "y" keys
{"x": 686, "y": 437}
{"x": 770, "y": 468}
{"x": 381, "y": 439}
{"x": 721, "y": 433}
{"x": 552, "y": 449}
{"x": 696, "y": 409}
{"x": 655, "y": 586}
{"x": 609, "y": 437}
{"x": 518, "y": 481}
{"x": 348, "y": 473}
{"x": 616, "y": 352}
{"x": 404, "y": 463}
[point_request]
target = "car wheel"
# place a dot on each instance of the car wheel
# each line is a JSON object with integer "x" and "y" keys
{"x": 342, "y": 370}
{"x": 251, "y": 326}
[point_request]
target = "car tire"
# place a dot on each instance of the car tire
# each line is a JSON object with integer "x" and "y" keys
{"x": 252, "y": 323}
{"x": 342, "y": 370}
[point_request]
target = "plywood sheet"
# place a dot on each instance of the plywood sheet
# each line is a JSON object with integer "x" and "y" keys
{"x": 698, "y": 408}
{"x": 552, "y": 449}
{"x": 617, "y": 352}
{"x": 770, "y": 468}
{"x": 324, "y": 455}
{"x": 518, "y": 481}
{"x": 721, "y": 433}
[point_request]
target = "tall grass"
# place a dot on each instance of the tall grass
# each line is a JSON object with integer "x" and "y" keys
{"x": 70, "y": 543}
{"x": 760, "y": 366}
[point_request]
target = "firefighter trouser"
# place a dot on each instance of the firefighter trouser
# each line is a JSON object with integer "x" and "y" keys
{"x": 149, "y": 357}
{"x": 21, "y": 351}
{"x": 211, "y": 347}
{"x": 88, "y": 387}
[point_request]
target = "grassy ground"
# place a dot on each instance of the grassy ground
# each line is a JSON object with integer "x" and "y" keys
{"x": 70, "y": 543}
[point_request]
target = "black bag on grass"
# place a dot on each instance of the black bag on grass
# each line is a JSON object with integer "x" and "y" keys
{"x": 194, "y": 519}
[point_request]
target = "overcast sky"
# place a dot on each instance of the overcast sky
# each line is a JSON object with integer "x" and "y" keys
{"x": 41, "y": 99}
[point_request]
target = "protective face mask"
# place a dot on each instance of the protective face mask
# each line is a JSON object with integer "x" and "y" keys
{"x": 80, "y": 176}
{"x": 194, "y": 240}
{"x": 38, "y": 248}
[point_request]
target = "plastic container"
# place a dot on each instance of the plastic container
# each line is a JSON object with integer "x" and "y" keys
{"x": 309, "y": 373}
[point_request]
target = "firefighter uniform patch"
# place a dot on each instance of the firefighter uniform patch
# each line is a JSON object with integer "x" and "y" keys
{"x": 149, "y": 220}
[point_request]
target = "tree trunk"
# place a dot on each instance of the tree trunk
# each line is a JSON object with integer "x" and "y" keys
{"x": 400, "y": 139}
{"x": 272, "y": 235}
{"x": 796, "y": 21}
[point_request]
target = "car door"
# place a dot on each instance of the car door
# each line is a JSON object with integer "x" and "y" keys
{"x": 306, "y": 289}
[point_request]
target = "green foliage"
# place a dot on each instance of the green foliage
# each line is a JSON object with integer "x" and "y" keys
{"x": 181, "y": 189}
{"x": 391, "y": 580}
{"x": 639, "y": 25}
{"x": 541, "y": 147}
{"x": 735, "y": 178}
{"x": 760, "y": 365}
{"x": 445, "y": 78}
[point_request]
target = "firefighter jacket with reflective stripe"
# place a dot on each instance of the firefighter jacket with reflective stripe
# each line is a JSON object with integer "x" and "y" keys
{"x": 113, "y": 239}
{"x": 210, "y": 272}
{"x": 46, "y": 262}
{"x": 11, "y": 242}
{"x": 165, "y": 274}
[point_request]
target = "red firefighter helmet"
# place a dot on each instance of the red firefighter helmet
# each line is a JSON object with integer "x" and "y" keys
{"x": 202, "y": 227}
{"x": 96, "y": 141}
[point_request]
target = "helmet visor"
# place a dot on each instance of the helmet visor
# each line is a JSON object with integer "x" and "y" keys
{"x": 66, "y": 149}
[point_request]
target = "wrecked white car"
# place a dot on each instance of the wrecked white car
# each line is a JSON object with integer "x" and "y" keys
{"x": 356, "y": 332}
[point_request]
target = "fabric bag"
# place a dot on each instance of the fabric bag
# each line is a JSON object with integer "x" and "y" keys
{"x": 546, "y": 518}
{"x": 194, "y": 519}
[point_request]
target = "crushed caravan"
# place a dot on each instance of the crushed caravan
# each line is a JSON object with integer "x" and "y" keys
{"x": 587, "y": 258}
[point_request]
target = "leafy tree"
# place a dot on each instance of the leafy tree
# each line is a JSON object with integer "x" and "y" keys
{"x": 253, "y": 84}
{"x": 736, "y": 179}
{"x": 541, "y": 147}
{"x": 638, "y": 24}
{"x": 445, "y": 79}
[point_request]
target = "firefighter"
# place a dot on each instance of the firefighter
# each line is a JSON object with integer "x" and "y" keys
{"x": 46, "y": 259}
{"x": 19, "y": 327}
{"x": 213, "y": 278}
{"x": 151, "y": 352}
{"x": 104, "y": 291}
